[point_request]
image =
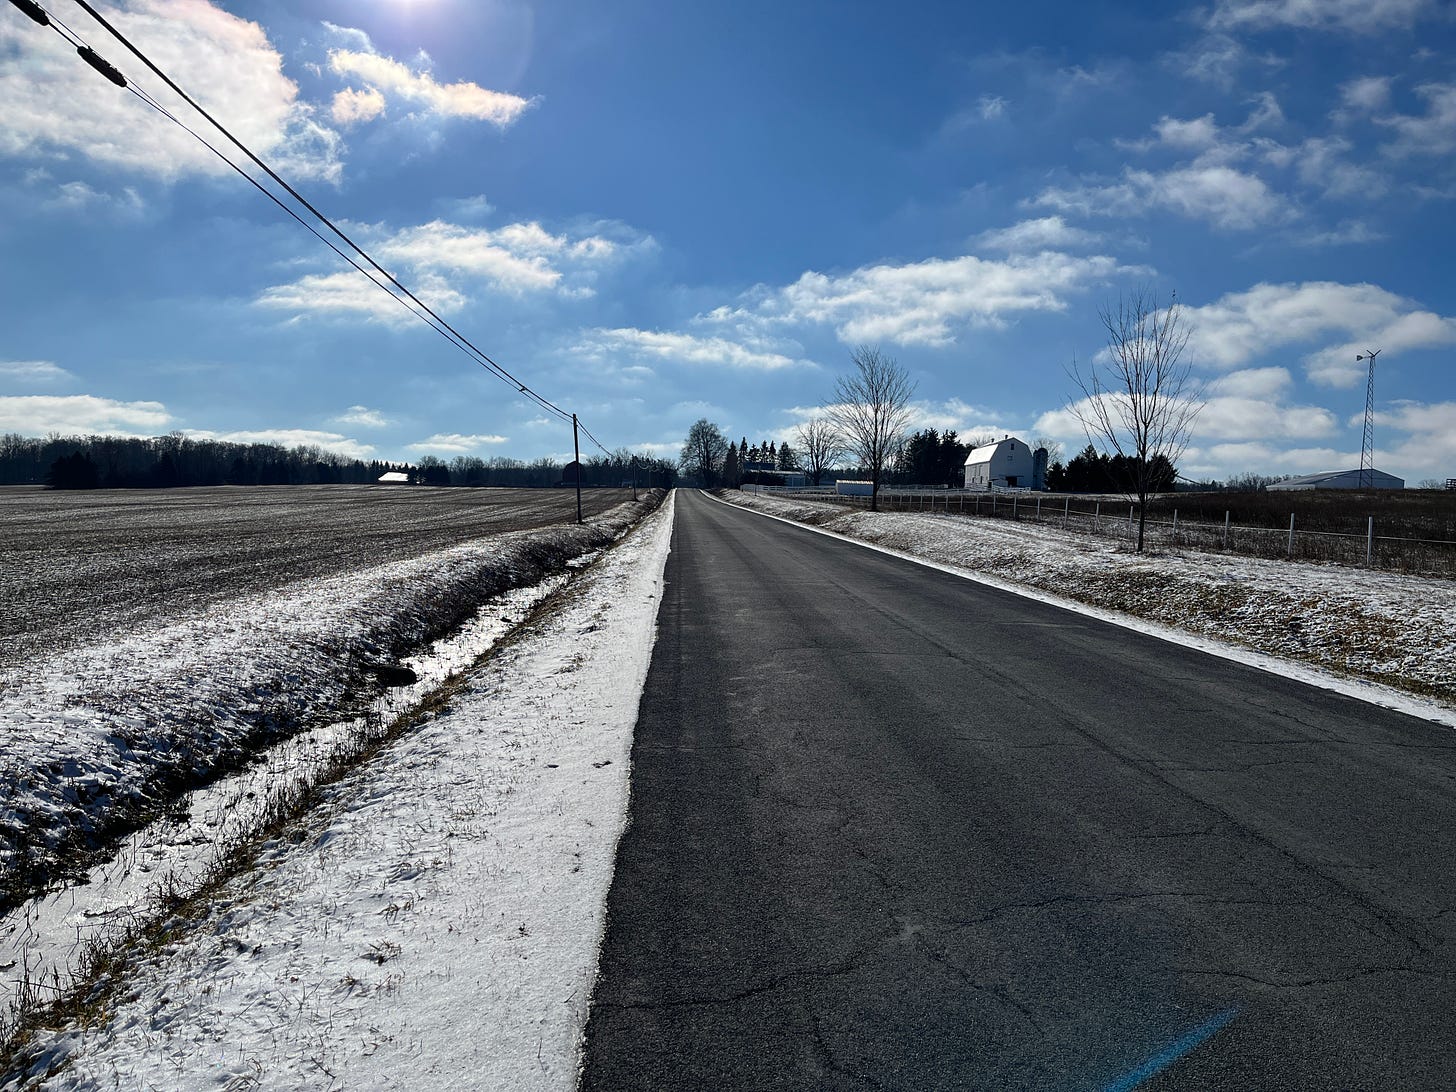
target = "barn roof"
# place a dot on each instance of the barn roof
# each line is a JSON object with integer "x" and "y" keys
{"x": 1340, "y": 479}
{"x": 986, "y": 452}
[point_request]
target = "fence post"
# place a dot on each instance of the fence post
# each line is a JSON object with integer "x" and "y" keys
{"x": 1129, "y": 522}
{"x": 1038, "y": 507}
{"x": 1175, "y": 527}
{"x": 1097, "y": 517}
{"x": 1369, "y": 541}
{"x": 1225, "y": 530}
{"x": 1014, "y": 499}
{"x": 1291, "y": 535}
{"x": 1066, "y": 511}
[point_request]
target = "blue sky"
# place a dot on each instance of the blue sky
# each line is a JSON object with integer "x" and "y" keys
{"x": 656, "y": 212}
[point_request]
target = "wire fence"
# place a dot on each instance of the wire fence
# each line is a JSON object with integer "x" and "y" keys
{"x": 1116, "y": 518}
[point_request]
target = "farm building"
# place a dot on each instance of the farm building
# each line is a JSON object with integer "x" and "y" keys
{"x": 394, "y": 477}
{"x": 1341, "y": 479}
{"x": 853, "y": 489}
{"x": 1008, "y": 463}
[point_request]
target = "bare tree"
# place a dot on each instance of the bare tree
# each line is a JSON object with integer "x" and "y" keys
{"x": 871, "y": 410}
{"x": 704, "y": 451}
{"x": 1139, "y": 397}
{"x": 820, "y": 447}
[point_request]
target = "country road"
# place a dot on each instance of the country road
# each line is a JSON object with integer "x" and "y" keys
{"x": 893, "y": 829}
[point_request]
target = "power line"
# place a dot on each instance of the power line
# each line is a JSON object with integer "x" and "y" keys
{"x": 485, "y": 359}
{"x": 404, "y": 296}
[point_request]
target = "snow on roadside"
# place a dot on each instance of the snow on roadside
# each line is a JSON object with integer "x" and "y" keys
{"x": 1385, "y": 628}
{"x": 436, "y": 924}
{"x": 100, "y": 735}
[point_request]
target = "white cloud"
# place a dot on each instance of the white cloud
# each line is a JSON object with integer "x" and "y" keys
{"x": 39, "y": 372}
{"x": 291, "y": 437}
{"x": 1365, "y": 95}
{"x": 1321, "y": 163}
{"x": 1433, "y": 133}
{"x": 1337, "y": 366}
{"x": 1357, "y": 16}
{"x": 1342, "y": 234}
{"x": 456, "y": 444}
{"x": 362, "y": 417}
{"x": 1429, "y": 448}
{"x": 1243, "y": 326}
{"x": 1225, "y": 197}
{"x": 443, "y": 263}
{"x": 385, "y": 77}
{"x": 77, "y": 196}
{"x": 1255, "y": 383}
{"x": 1238, "y": 418}
{"x": 57, "y": 106}
{"x": 991, "y": 107}
{"x": 687, "y": 349}
{"x": 352, "y": 106}
{"x": 350, "y": 295}
{"x": 81, "y": 414}
{"x": 1032, "y": 236}
{"x": 924, "y": 302}
{"x": 518, "y": 258}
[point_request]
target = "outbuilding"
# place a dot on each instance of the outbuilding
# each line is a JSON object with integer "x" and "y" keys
{"x": 1341, "y": 479}
{"x": 1008, "y": 463}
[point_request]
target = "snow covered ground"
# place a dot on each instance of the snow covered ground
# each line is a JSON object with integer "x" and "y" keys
{"x": 1394, "y": 634}
{"x": 102, "y": 735}
{"x": 435, "y": 923}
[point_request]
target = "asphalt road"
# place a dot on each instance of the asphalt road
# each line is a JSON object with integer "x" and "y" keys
{"x": 84, "y": 566}
{"x": 893, "y": 829}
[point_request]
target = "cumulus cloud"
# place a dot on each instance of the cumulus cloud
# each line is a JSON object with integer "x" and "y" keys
{"x": 81, "y": 414}
{"x": 56, "y": 106}
{"x": 1357, "y": 16}
{"x": 1255, "y": 383}
{"x": 1365, "y": 95}
{"x": 687, "y": 349}
{"x": 386, "y": 78}
{"x": 351, "y": 295}
{"x": 1222, "y": 195}
{"x": 352, "y": 106}
{"x": 1429, "y": 446}
{"x": 455, "y": 443}
{"x": 1031, "y": 236}
{"x": 444, "y": 263}
{"x": 291, "y": 437}
{"x": 1242, "y": 326}
{"x": 37, "y": 372}
{"x": 924, "y": 303}
{"x": 362, "y": 417}
{"x": 1431, "y": 133}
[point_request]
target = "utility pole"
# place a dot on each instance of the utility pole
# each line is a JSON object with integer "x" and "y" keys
{"x": 576, "y": 446}
{"x": 1367, "y": 446}
{"x": 634, "y": 477}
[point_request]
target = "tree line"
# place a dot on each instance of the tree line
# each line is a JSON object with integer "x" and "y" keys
{"x": 126, "y": 462}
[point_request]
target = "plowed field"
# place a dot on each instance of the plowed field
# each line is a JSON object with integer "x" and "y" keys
{"x": 78, "y": 567}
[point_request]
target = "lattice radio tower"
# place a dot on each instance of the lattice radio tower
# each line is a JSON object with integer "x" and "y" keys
{"x": 1367, "y": 449}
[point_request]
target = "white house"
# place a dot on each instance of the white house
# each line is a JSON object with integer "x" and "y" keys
{"x": 1341, "y": 479}
{"x": 1007, "y": 463}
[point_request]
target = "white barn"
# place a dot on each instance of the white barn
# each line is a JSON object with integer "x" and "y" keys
{"x": 1341, "y": 479}
{"x": 1007, "y": 463}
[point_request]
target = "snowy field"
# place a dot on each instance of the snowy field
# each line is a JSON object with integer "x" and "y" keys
{"x": 82, "y": 566}
{"x": 1383, "y": 629}
{"x": 102, "y": 736}
{"x": 435, "y": 922}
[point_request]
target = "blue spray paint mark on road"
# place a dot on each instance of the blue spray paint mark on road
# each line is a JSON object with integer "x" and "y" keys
{"x": 1170, "y": 1054}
